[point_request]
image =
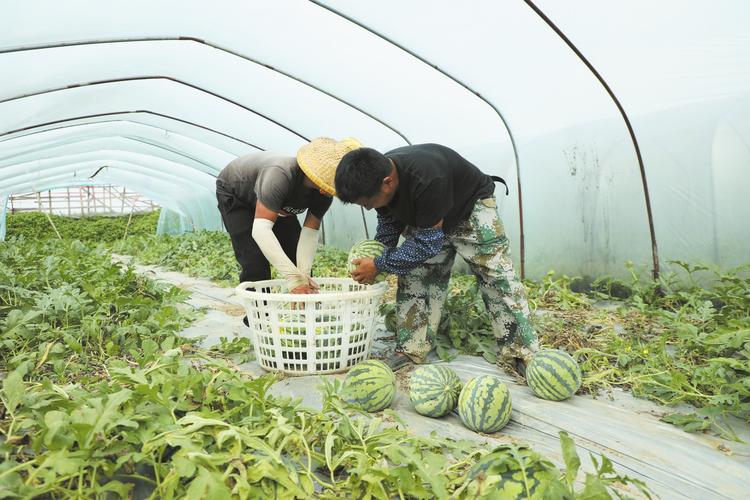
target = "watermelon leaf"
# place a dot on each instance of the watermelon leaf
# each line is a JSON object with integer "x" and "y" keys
{"x": 570, "y": 456}
{"x": 13, "y": 391}
{"x": 689, "y": 422}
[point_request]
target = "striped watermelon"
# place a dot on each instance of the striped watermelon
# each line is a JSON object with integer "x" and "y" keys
{"x": 365, "y": 249}
{"x": 484, "y": 404}
{"x": 434, "y": 390}
{"x": 511, "y": 472}
{"x": 553, "y": 374}
{"x": 370, "y": 385}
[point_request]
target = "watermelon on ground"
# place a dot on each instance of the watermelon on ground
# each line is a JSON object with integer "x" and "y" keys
{"x": 434, "y": 390}
{"x": 365, "y": 249}
{"x": 510, "y": 471}
{"x": 484, "y": 404}
{"x": 553, "y": 374}
{"x": 371, "y": 385}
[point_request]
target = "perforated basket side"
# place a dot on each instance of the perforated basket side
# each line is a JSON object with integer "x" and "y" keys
{"x": 323, "y": 333}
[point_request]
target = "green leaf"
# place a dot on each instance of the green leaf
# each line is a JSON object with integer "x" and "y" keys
{"x": 606, "y": 466}
{"x": 13, "y": 390}
{"x": 168, "y": 344}
{"x": 184, "y": 467}
{"x": 570, "y": 456}
{"x": 17, "y": 320}
{"x": 594, "y": 489}
{"x": 689, "y": 422}
{"x": 72, "y": 344}
{"x": 57, "y": 434}
{"x": 328, "y": 449}
{"x": 12, "y": 483}
{"x": 149, "y": 347}
{"x": 208, "y": 484}
{"x": 65, "y": 462}
{"x": 114, "y": 486}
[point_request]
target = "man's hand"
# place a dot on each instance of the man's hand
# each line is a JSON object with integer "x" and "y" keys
{"x": 313, "y": 285}
{"x": 365, "y": 272}
{"x": 304, "y": 289}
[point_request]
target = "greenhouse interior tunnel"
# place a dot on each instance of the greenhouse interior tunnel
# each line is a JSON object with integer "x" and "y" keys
{"x": 621, "y": 129}
{"x": 617, "y": 143}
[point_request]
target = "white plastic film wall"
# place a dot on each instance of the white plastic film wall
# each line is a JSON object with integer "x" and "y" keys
{"x": 164, "y": 94}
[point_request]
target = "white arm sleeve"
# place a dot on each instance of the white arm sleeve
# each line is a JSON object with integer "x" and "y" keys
{"x": 269, "y": 245}
{"x": 306, "y": 247}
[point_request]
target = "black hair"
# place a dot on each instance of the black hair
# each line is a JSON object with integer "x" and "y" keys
{"x": 360, "y": 174}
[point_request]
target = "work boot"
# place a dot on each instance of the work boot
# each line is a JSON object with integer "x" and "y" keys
{"x": 520, "y": 366}
{"x": 513, "y": 365}
{"x": 397, "y": 360}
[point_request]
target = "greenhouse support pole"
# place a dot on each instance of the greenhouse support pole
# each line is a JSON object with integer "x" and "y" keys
{"x": 654, "y": 249}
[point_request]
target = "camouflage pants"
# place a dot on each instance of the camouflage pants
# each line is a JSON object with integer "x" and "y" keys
{"x": 421, "y": 295}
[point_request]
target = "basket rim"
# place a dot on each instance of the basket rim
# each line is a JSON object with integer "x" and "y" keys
{"x": 374, "y": 290}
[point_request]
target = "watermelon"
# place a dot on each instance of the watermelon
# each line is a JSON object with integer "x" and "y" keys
{"x": 365, "y": 249}
{"x": 510, "y": 471}
{"x": 434, "y": 390}
{"x": 553, "y": 374}
{"x": 371, "y": 385}
{"x": 484, "y": 404}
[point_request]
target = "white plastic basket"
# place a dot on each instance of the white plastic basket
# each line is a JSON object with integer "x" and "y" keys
{"x": 318, "y": 333}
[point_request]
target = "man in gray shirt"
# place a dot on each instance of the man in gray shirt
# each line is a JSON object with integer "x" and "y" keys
{"x": 259, "y": 196}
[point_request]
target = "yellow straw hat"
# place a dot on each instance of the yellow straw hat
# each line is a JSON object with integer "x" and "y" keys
{"x": 319, "y": 158}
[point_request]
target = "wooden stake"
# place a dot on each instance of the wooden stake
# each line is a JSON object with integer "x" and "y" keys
{"x": 53, "y": 225}
{"x": 130, "y": 217}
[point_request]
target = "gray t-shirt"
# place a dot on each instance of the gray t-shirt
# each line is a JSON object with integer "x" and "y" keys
{"x": 275, "y": 180}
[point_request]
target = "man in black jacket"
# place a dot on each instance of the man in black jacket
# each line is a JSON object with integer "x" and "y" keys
{"x": 443, "y": 205}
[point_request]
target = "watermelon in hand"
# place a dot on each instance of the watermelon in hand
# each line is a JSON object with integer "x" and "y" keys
{"x": 365, "y": 249}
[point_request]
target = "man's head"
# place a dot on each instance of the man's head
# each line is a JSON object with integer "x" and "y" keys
{"x": 366, "y": 177}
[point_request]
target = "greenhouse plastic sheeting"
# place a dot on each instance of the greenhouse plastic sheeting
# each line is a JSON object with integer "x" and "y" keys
{"x": 544, "y": 94}
{"x": 171, "y": 222}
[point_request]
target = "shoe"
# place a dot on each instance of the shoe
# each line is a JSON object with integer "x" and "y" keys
{"x": 520, "y": 365}
{"x": 397, "y": 360}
